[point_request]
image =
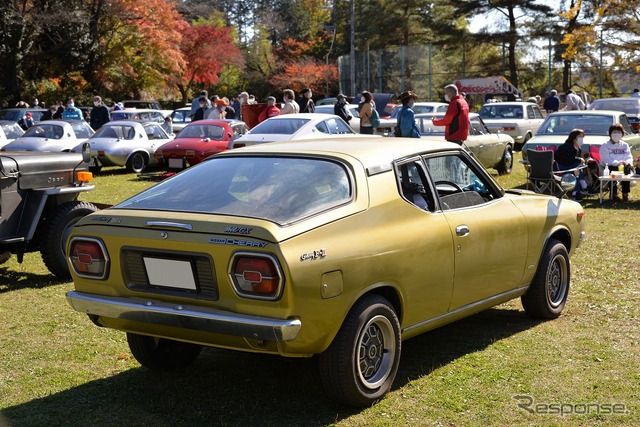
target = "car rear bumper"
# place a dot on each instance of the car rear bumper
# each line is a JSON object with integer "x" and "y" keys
{"x": 182, "y": 316}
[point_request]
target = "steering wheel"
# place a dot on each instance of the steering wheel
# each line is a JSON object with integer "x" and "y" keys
{"x": 450, "y": 184}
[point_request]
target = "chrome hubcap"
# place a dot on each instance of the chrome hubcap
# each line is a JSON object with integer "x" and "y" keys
{"x": 557, "y": 280}
{"x": 376, "y": 352}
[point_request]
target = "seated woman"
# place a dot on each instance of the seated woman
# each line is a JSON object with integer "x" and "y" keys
{"x": 569, "y": 156}
{"x": 616, "y": 152}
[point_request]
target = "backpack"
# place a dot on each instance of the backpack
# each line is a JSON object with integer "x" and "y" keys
{"x": 375, "y": 118}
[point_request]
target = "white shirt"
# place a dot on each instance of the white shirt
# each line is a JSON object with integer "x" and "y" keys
{"x": 574, "y": 102}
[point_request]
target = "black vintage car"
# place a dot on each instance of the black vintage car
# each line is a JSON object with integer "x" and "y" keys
{"x": 39, "y": 204}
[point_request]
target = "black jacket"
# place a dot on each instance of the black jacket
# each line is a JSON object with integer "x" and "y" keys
{"x": 99, "y": 116}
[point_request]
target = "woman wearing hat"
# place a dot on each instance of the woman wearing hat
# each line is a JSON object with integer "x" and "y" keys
{"x": 406, "y": 117}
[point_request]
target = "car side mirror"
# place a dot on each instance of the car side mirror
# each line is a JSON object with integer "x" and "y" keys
{"x": 86, "y": 152}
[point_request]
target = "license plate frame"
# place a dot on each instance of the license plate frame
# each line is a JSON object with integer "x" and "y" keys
{"x": 170, "y": 273}
{"x": 176, "y": 163}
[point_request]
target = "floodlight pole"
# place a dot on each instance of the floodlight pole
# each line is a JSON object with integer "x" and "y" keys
{"x": 352, "y": 50}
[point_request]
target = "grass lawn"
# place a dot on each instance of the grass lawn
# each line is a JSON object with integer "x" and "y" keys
{"x": 495, "y": 368}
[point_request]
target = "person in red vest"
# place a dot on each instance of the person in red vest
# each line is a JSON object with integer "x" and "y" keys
{"x": 270, "y": 111}
{"x": 456, "y": 120}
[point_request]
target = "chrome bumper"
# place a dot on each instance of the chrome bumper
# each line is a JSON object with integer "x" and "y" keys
{"x": 182, "y": 316}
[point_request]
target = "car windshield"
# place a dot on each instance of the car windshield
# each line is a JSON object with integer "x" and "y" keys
{"x": 497, "y": 111}
{"x": 12, "y": 131}
{"x": 563, "y": 124}
{"x": 181, "y": 116}
{"x": 280, "y": 126}
{"x": 116, "y": 131}
{"x": 630, "y": 106}
{"x": 45, "y": 131}
{"x": 12, "y": 115}
{"x": 278, "y": 189}
{"x": 82, "y": 130}
{"x": 203, "y": 131}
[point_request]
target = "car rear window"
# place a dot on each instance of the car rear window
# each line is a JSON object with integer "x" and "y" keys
{"x": 279, "y": 189}
{"x": 630, "y": 106}
{"x": 12, "y": 131}
{"x": 203, "y": 131}
{"x": 279, "y": 126}
{"x": 563, "y": 124}
{"x": 45, "y": 131}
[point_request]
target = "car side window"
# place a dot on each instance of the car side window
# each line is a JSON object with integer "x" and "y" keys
{"x": 322, "y": 127}
{"x": 413, "y": 184}
{"x": 458, "y": 182}
{"x": 154, "y": 132}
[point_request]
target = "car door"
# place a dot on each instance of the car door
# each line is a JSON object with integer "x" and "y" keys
{"x": 485, "y": 145}
{"x": 429, "y": 282}
{"x": 488, "y": 231}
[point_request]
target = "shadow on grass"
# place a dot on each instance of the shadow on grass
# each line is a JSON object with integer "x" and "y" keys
{"x": 240, "y": 389}
{"x": 11, "y": 280}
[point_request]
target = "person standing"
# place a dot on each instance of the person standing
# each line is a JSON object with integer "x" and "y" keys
{"x": 229, "y": 111}
{"x": 552, "y": 102}
{"x": 48, "y": 115}
{"x": 58, "y": 114}
{"x": 202, "y": 108}
{"x": 71, "y": 112}
{"x": 366, "y": 111}
{"x": 26, "y": 122}
{"x": 195, "y": 103}
{"x": 290, "y": 105}
{"x": 340, "y": 108}
{"x": 406, "y": 117}
{"x": 456, "y": 119}
{"x": 99, "y": 113}
{"x": 270, "y": 111}
{"x": 305, "y": 102}
{"x": 574, "y": 102}
{"x": 616, "y": 152}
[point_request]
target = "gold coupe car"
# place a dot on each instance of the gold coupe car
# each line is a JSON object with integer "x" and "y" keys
{"x": 340, "y": 248}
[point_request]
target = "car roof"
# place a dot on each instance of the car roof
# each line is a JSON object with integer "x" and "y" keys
{"x": 137, "y": 110}
{"x": 374, "y": 153}
{"x": 628, "y": 98}
{"x": 589, "y": 112}
{"x": 129, "y": 122}
{"x": 510, "y": 103}
{"x": 310, "y": 116}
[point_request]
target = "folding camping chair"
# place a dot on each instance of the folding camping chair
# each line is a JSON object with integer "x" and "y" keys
{"x": 544, "y": 179}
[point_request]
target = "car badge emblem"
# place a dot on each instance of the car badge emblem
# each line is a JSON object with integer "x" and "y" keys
{"x": 164, "y": 235}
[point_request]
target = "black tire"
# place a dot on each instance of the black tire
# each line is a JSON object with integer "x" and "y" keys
{"x": 361, "y": 363}
{"x": 162, "y": 354}
{"x": 95, "y": 169}
{"x": 517, "y": 146}
{"x": 547, "y": 294}
{"x": 506, "y": 163}
{"x": 55, "y": 234}
{"x": 137, "y": 162}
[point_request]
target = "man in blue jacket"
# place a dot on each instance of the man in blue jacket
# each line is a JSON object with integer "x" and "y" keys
{"x": 71, "y": 112}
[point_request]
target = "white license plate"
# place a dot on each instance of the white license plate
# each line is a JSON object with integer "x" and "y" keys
{"x": 176, "y": 163}
{"x": 170, "y": 273}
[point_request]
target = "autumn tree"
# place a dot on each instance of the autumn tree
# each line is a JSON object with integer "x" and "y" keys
{"x": 306, "y": 72}
{"x": 207, "y": 48}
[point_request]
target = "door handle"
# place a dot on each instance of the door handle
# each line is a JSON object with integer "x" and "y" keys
{"x": 462, "y": 230}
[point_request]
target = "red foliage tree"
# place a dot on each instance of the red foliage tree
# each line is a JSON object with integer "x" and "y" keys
{"x": 206, "y": 49}
{"x": 306, "y": 72}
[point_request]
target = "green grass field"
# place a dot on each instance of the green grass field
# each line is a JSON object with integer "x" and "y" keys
{"x": 496, "y": 368}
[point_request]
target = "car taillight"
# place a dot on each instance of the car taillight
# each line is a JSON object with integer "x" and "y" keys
{"x": 88, "y": 258}
{"x": 256, "y": 276}
{"x": 509, "y": 128}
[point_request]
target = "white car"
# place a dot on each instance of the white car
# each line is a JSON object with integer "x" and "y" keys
{"x": 9, "y": 131}
{"x": 520, "y": 120}
{"x": 52, "y": 135}
{"x": 180, "y": 118}
{"x": 138, "y": 114}
{"x": 289, "y": 127}
{"x": 353, "y": 110}
{"x": 127, "y": 143}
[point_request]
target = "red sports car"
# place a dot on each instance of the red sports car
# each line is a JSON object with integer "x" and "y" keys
{"x": 197, "y": 141}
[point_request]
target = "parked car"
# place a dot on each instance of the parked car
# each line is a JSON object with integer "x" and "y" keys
{"x": 52, "y": 135}
{"x": 126, "y": 143}
{"x": 9, "y": 131}
{"x": 294, "y": 127}
{"x": 199, "y": 140}
{"x": 493, "y": 150}
{"x": 16, "y": 114}
{"x": 557, "y": 126}
{"x": 39, "y": 205}
{"x": 422, "y": 108}
{"x": 631, "y": 106}
{"x": 354, "y": 123}
{"x": 180, "y": 118}
{"x": 136, "y": 114}
{"x": 520, "y": 120}
{"x": 337, "y": 247}
{"x": 146, "y": 105}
